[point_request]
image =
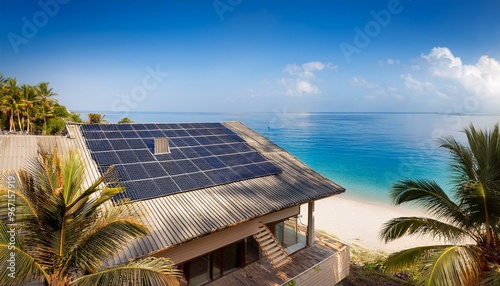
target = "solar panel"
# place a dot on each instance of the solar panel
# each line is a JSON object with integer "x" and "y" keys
{"x": 119, "y": 144}
{"x": 201, "y": 155}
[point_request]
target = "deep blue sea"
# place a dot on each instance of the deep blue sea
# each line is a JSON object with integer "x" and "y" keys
{"x": 363, "y": 152}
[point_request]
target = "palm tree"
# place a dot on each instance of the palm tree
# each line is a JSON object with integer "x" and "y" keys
{"x": 46, "y": 102}
{"x": 10, "y": 101}
{"x": 95, "y": 118}
{"x": 65, "y": 232}
{"x": 469, "y": 223}
{"x": 29, "y": 100}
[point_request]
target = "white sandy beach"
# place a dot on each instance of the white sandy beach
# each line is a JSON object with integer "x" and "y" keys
{"x": 359, "y": 222}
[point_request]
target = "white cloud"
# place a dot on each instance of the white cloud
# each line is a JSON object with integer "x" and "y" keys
{"x": 392, "y": 62}
{"x": 299, "y": 79}
{"x": 481, "y": 77}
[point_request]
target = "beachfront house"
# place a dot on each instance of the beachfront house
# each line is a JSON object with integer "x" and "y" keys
{"x": 223, "y": 202}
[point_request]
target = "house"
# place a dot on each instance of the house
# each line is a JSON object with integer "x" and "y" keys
{"x": 223, "y": 202}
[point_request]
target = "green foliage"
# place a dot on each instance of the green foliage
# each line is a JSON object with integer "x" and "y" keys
{"x": 125, "y": 120}
{"x": 31, "y": 109}
{"x": 473, "y": 215}
{"x": 95, "y": 118}
{"x": 69, "y": 232}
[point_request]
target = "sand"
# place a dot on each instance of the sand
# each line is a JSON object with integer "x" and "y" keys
{"x": 359, "y": 222}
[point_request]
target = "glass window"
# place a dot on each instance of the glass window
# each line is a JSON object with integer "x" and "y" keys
{"x": 199, "y": 270}
{"x": 230, "y": 254}
{"x": 252, "y": 250}
{"x": 216, "y": 266}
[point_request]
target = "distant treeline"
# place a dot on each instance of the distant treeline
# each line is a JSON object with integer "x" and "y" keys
{"x": 32, "y": 109}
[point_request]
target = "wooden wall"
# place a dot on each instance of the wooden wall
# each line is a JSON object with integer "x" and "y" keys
{"x": 211, "y": 242}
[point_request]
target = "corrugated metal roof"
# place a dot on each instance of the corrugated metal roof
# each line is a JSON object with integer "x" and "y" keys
{"x": 181, "y": 217}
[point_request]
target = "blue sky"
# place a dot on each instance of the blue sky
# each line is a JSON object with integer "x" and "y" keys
{"x": 246, "y": 56}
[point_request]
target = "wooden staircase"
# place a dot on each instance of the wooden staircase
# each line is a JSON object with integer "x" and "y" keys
{"x": 271, "y": 247}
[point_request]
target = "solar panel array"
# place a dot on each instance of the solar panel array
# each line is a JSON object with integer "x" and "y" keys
{"x": 201, "y": 155}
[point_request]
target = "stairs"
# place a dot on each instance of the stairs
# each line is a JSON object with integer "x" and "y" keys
{"x": 271, "y": 247}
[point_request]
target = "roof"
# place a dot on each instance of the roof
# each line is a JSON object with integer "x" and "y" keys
{"x": 181, "y": 217}
{"x": 200, "y": 155}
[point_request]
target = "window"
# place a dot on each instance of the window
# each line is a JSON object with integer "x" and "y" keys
{"x": 220, "y": 262}
{"x": 252, "y": 250}
{"x": 199, "y": 270}
{"x": 288, "y": 235}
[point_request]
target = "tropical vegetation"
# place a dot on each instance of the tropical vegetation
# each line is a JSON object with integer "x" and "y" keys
{"x": 468, "y": 222}
{"x": 61, "y": 233}
{"x": 31, "y": 109}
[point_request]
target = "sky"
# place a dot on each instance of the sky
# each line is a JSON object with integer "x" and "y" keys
{"x": 257, "y": 56}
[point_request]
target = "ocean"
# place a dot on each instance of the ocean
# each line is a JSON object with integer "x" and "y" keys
{"x": 363, "y": 152}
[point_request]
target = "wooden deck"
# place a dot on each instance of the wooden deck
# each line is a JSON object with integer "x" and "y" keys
{"x": 262, "y": 272}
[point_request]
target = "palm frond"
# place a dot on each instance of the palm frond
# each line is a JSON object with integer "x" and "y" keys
{"x": 452, "y": 265}
{"x": 409, "y": 257}
{"x": 431, "y": 197}
{"x": 105, "y": 237}
{"x": 148, "y": 272}
{"x": 25, "y": 268}
{"x": 492, "y": 277}
{"x": 399, "y": 227}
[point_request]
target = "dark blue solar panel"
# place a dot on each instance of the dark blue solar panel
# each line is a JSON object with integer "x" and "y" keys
{"x": 99, "y": 145}
{"x": 150, "y": 143}
{"x": 243, "y": 172}
{"x": 270, "y": 168}
{"x": 154, "y": 169}
{"x": 144, "y": 134}
{"x": 254, "y": 157}
{"x": 215, "y": 162}
{"x": 179, "y": 142}
{"x": 135, "y": 171}
{"x": 201, "y": 155}
{"x": 241, "y": 148}
{"x": 203, "y": 140}
{"x": 177, "y": 154}
{"x": 91, "y": 127}
{"x": 123, "y": 127}
{"x": 193, "y": 132}
{"x": 106, "y": 158}
{"x": 157, "y": 133}
{"x": 190, "y": 141}
{"x": 108, "y": 127}
{"x": 130, "y": 134}
{"x": 215, "y": 140}
{"x": 136, "y": 144}
{"x": 94, "y": 135}
{"x": 205, "y": 132}
{"x": 138, "y": 126}
{"x": 166, "y": 185}
{"x": 185, "y": 182}
{"x": 119, "y": 144}
{"x": 201, "y": 180}
{"x": 187, "y": 166}
{"x": 201, "y": 151}
{"x": 202, "y": 164}
{"x": 127, "y": 156}
{"x": 189, "y": 152}
{"x": 172, "y": 168}
{"x": 144, "y": 155}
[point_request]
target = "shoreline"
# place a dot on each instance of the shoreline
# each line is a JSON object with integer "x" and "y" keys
{"x": 358, "y": 222}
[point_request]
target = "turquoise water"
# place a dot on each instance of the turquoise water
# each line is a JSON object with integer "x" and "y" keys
{"x": 363, "y": 152}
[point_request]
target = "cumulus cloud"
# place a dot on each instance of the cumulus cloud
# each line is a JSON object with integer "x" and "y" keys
{"x": 299, "y": 79}
{"x": 481, "y": 77}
